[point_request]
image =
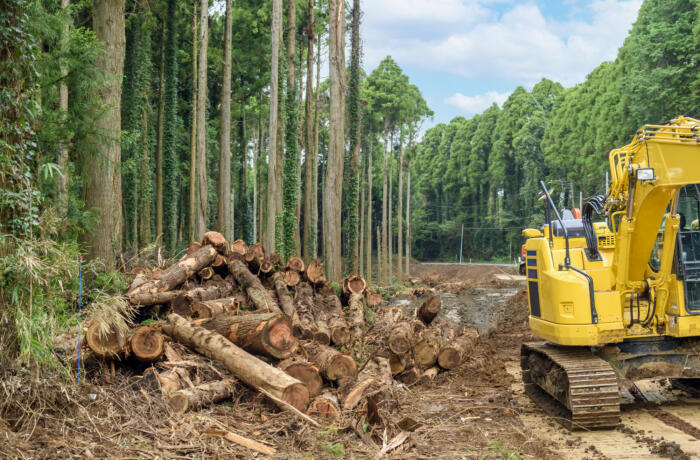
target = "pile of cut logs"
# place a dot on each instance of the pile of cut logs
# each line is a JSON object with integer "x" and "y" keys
{"x": 278, "y": 327}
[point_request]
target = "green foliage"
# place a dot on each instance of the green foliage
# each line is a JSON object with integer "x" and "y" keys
{"x": 336, "y": 449}
{"x": 290, "y": 183}
{"x": 498, "y": 450}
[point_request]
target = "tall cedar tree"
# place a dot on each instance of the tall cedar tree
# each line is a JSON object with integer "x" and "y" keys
{"x": 202, "y": 184}
{"x": 272, "y": 184}
{"x": 353, "y": 188}
{"x": 291, "y": 156}
{"x": 170, "y": 130}
{"x": 225, "y": 217}
{"x": 309, "y": 142}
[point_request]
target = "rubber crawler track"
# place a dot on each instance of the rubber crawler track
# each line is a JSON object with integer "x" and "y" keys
{"x": 591, "y": 399}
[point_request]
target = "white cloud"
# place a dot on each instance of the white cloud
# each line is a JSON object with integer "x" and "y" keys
{"x": 469, "y": 39}
{"x": 469, "y": 105}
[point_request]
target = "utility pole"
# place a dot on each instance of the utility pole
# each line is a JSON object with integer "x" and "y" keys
{"x": 461, "y": 242}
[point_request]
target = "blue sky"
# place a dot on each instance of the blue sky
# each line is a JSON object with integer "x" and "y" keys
{"x": 466, "y": 54}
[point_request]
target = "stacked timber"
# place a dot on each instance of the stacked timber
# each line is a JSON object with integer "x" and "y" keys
{"x": 274, "y": 326}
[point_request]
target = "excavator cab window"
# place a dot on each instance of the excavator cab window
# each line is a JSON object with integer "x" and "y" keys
{"x": 688, "y": 242}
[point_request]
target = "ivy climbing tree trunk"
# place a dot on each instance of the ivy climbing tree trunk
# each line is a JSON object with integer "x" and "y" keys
{"x": 272, "y": 184}
{"x": 159, "y": 141}
{"x": 202, "y": 122}
{"x": 408, "y": 221}
{"x": 225, "y": 217}
{"x": 368, "y": 274}
{"x": 62, "y": 193}
{"x": 399, "y": 208}
{"x": 314, "y": 199}
{"x": 385, "y": 213}
{"x": 193, "y": 131}
{"x": 170, "y": 131}
{"x": 309, "y": 144}
{"x": 353, "y": 188}
{"x": 290, "y": 182}
{"x": 333, "y": 183}
{"x": 104, "y": 186}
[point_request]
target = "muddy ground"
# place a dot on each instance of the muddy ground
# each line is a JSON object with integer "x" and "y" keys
{"x": 478, "y": 410}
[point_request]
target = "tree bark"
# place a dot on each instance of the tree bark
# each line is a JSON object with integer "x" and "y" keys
{"x": 308, "y": 146}
{"x": 385, "y": 212}
{"x": 201, "y": 168}
{"x": 305, "y": 372}
{"x": 399, "y": 211}
{"x": 429, "y": 309}
{"x": 285, "y": 300}
{"x": 272, "y": 173}
{"x": 268, "y": 334}
{"x": 354, "y": 95}
{"x": 356, "y": 313}
{"x": 331, "y": 363}
{"x": 246, "y": 367}
{"x": 333, "y": 183}
{"x": 426, "y": 350}
{"x": 257, "y": 294}
{"x": 214, "y": 307}
{"x": 225, "y": 218}
{"x": 408, "y": 222}
{"x": 314, "y": 200}
{"x": 390, "y": 205}
{"x": 203, "y": 395}
{"x": 154, "y": 298}
{"x": 183, "y": 302}
{"x": 368, "y": 272}
{"x": 102, "y": 169}
{"x": 193, "y": 132}
{"x": 176, "y": 274}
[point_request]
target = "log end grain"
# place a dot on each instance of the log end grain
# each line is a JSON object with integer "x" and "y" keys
{"x": 108, "y": 344}
{"x": 324, "y": 406}
{"x": 429, "y": 309}
{"x": 178, "y": 403}
{"x": 291, "y": 278}
{"x": 217, "y": 240}
{"x": 341, "y": 366}
{"x": 305, "y": 372}
{"x": 296, "y": 395}
{"x": 280, "y": 337}
{"x": 147, "y": 344}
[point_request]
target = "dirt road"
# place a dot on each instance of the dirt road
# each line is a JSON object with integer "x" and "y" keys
{"x": 666, "y": 427}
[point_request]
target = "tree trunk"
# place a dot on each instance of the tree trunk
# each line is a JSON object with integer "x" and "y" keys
{"x": 399, "y": 207}
{"x": 106, "y": 343}
{"x": 154, "y": 298}
{"x": 268, "y": 334}
{"x": 102, "y": 169}
{"x": 390, "y": 222}
{"x": 380, "y": 253}
{"x": 314, "y": 199}
{"x": 333, "y": 182}
{"x": 216, "y": 240}
{"x": 159, "y": 144}
{"x": 401, "y": 338}
{"x": 429, "y": 309}
{"x": 325, "y": 406}
{"x": 145, "y": 196}
{"x": 176, "y": 274}
{"x": 183, "y": 302}
{"x": 385, "y": 212}
{"x": 355, "y": 112}
{"x": 272, "y": 184}
{"x": 308, "y": 146}
{"x": 203, "y": 395}
{"x": 305, "y": 372}
{"x": 368, "y": 272}
{"x": 408, "y": 222}
{"x": 257, "y": 294}
{"x": 172, "y": 380}
{"x": 356, "y": 313}
{"x": 225, "y": 218}
{"x": 290, "y": 180}
{"x": 62, "y": 193}
{"x": 454, "y": 353}
{"x": 246, "y": 367}
{"x": 331, "y": 363}
{"x": 426, "y": 350}
{"x": 202, "y": 187}
{"x": 361, "y": 235}
{"x": 193, "y": 132}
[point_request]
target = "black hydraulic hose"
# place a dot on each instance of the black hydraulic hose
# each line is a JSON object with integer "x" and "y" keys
{"x": 567, "y": 258}
{"x": 594, "y": 204}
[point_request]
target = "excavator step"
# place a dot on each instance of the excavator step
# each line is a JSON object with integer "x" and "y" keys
{"x": 577, "y": 388}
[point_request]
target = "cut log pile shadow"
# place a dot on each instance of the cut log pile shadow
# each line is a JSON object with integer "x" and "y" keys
{"x": 277, "y": 327}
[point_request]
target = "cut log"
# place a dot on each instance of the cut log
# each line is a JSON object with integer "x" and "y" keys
{"x": 315, "y": 273}
{"x": 322, "y": 334}
{"x": 139, "y": 279}
{"x": 305, "y": 325}
{"x": 146, "y": 344}
{"x": 285, "y": 300}
{"x": 238, "y": 249}
{"x": 409, "y": 376}
{"x": 181, "y": 304}
{"x": 331, "y": 363}
{"x": 206, "y": 273}
{"x": 257, "y": 294}
{"x": 426, "y": 350}
{"x": 216, "y": 240}
{"x": 354, "y": 284}
{"x": 193, "y": 247}
{"x": 398, "y": 364}
{"x": 173, "y": 380}
{"x": 356, "y": 315}
{"x": 324, "y": 406}
{"x": 276, "y": 260}
{"x": 200, "y": 396}
{"x": 268, "y": 334}
{"x": 254, "y": 256}
{"x": 305, "y": 372}
{"x": 176, "y": 274}
{"x": 454, "y": 353}
{"x": 153, "y": 298}
{"x": 429, "y": 309}
{"x": 291, "y": 278}
{"x": 266, "y": 268}
{"x": 211, "y": 308}
{"x": 429, "y": 375}
{"x": 373, "y": 299}
{"x": 105, "y": 340}
{"x": 351, "y": 391}
{"x": 400, "y": 338}
{"x": 339, "y": 330}
{"x": 295, "y": 263}
{"x": 243, "y": 365}
{"x": 219, "y": 261}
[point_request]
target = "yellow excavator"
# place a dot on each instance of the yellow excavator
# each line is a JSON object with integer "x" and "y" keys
{"x": 618, "y": 300}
